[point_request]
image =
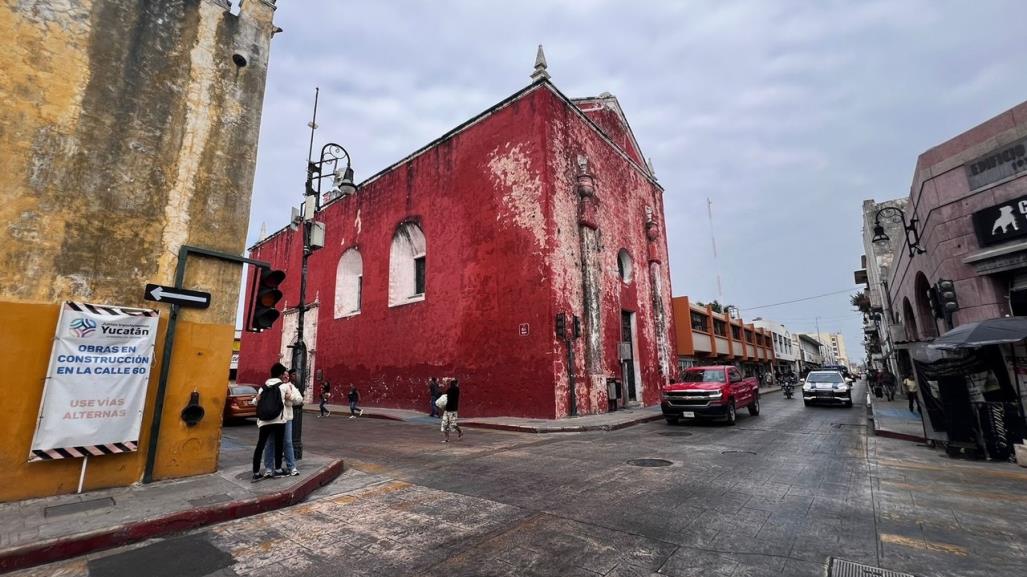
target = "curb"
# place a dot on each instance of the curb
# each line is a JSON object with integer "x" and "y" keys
{"x": 570, "y": 429}
{"x": 900, "y": 436}
{"x": 363, "y": 415}
{"x": 878, "y": 432}
{"x": 81, "y": 544}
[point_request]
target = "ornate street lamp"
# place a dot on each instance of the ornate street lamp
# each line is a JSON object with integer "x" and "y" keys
{"x": 910, "y": 229}
{"x": 328, "y": 166}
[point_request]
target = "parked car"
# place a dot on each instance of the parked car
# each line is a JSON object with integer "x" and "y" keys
{"x": 826, "y": 387}
{"x": 710, "y": 392}
{"x": 238, "y": 402}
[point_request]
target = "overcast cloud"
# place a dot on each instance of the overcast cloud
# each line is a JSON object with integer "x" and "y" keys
{"x": 785, "y": 114}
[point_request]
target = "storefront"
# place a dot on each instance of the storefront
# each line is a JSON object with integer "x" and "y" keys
{"x": 963, "y": 257}
{"x": 973, "y": 381}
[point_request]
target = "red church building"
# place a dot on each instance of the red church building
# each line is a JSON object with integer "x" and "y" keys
{"x": 458, "y": 260}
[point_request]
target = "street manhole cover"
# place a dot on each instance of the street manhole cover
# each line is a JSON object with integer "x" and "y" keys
{"x": 737, "y": 452}
{"x": 842, "y": 568}
{"x": 650, "y": 462}
{"x": 676, "y": 434}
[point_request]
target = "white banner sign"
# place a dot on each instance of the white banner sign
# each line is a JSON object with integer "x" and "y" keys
{"x": 96, "y": 384}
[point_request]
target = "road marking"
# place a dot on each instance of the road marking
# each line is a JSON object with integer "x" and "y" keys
{"x": 953, "y": 468}
{"x": 924, "y": 544}
{"x": 964, "y": 493}
{"x": 390, "y": 487}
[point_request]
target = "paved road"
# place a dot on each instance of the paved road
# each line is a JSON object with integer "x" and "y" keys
{"x": 778, "y": 494}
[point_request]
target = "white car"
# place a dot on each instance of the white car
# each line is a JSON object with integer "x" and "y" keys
{"x": 826, "y": 387}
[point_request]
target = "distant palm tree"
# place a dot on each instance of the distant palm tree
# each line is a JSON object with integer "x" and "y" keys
{"x": 861, "y": 301}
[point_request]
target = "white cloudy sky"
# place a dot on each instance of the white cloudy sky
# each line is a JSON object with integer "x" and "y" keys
{"x": 786, "y": 114}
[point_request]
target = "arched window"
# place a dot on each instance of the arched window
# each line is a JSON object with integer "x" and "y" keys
{"x": 625, "y": 266}
{"x": 407, "y": 265}
{"x": 349, "y": 284}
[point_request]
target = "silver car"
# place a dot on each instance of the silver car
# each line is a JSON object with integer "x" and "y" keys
{"x": 826, "y": 387}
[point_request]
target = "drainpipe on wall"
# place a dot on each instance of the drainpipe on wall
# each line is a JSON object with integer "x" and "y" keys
{"x": 652, "y": 234}
{"x": 588, "y": 233}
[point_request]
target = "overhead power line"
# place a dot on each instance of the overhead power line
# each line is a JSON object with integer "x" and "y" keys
{"x": 799, "y": 300}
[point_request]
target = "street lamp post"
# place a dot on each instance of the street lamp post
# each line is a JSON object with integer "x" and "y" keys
{"x": 880, "y": 236}
{"x": 313, "y": 239}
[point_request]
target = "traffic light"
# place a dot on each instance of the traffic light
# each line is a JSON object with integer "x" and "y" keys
{"x": 576, "y": 327}
{"x": 561, "y": 326}
{"x": 266, "y": 295}
{"x": 947, "y": 301}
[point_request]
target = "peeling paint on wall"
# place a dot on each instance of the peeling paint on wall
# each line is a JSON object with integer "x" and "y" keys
{"x": 522, "y": 191}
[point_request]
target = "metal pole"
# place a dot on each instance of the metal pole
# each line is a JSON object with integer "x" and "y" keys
{"x": 169, "y": 345}
{"x": 299, "y": 348}
{"x": 570, "y": 377}
{"x": 82, "y": 474}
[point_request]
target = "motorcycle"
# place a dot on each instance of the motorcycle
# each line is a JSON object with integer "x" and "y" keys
{"x": 788, "y": 387}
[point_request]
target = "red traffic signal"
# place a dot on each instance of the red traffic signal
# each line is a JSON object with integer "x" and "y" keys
{"x": 263, "y": 313}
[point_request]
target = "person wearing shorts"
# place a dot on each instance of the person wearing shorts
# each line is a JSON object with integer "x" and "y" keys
{"x": 450, "y": 415}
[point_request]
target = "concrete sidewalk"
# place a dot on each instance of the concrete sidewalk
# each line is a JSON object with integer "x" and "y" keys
{"x": 616, "y": 420}
{"x": 43, "y": 530}
{"x": 893, "y": 419}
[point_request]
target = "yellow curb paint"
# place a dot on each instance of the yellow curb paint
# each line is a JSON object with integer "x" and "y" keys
{"x": 924, "y": 544}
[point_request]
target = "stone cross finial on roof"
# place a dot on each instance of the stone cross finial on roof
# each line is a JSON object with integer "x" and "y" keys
{"x": 649, "y": 165}
{"x": 263, "y": 232}
{"x": 540, "y": 66}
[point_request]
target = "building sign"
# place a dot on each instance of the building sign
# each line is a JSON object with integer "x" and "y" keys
{"x": 96, "y": 383}
{"x": 1001, "y": 222}
{"x": 997, "y": 165}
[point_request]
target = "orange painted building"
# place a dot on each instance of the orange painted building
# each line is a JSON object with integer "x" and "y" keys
{"x": 705, "y": 337}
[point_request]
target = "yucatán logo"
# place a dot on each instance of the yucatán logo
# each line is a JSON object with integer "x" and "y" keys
{"x": 121, "y": 330}
{"x": 83, "y": 327}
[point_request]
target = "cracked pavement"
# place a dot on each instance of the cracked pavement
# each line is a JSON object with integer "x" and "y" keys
{"x": 779, "y": 494}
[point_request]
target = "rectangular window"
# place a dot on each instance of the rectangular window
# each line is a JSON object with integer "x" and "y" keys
{"x": 720, "y": 328}
{"x": 419, "y": 275}
{"x": 700, "y": 322}
{"x": 360, "y": 291}
{"x": 736, "y": 333}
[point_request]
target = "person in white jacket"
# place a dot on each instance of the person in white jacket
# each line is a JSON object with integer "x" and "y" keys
{"x": 274, "y": 427}
{"x": 291, "y": 392}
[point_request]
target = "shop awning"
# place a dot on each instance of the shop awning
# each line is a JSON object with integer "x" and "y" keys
{"x": 990, "y": 332}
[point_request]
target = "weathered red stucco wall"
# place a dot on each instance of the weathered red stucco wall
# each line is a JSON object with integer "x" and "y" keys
{"x": 497, "y": 204}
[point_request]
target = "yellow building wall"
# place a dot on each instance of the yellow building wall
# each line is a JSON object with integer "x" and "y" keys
{"x": 200, "y": 362}
{"x": 127, "y": 130}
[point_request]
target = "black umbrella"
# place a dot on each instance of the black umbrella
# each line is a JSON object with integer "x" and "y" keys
{"x": 990, "y": 332}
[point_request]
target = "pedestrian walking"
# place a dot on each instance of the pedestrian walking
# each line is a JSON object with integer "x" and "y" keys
{"x": 326, "y": 389}
{"x": 292, "y": 396}
{"x": 270, "y": 401}
{"x": 354, "y": 398}
{"x": 911, "y": 387}
{"x": 450, "y": 415}
{"x": 886, "y": 382}
{"x": 889, "y": 387}
{"x": 433, "y": 388}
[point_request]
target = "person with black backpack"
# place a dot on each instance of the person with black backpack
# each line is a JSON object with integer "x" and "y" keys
{"x": 270, "y": 401}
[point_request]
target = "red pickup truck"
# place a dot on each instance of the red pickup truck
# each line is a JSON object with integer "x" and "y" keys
{"x": 717, "y": 392}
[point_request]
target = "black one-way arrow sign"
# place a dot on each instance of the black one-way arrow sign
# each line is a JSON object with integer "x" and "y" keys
{"x": 177, "y": 296}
